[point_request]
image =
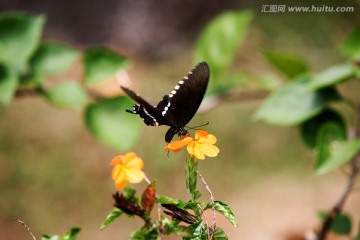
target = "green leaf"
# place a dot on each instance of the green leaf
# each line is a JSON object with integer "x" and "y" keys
{"x": 67, "y": 94}
{"x": 111, "y": 125}
{"x": 20, "y": 35}
{"x": 295, "y": 103}
{"x": 218, "y": 43}
{"x": 351, "y": 46}
{"x": 329, "y": 135}
{"x": 70, "y": 235}
{"x": 219, "y": 234}
{"x": 289, "y": 64}
{"x": 191, "y": 175}
{"x": 336, "y": 155}
{"x": 8, "y": 84}
{"x": 144, "y": 235}
{"x": 309, "y": 129}
{"x": 167, "y": 200}
{"x": 332, "y": 76}
{"x": 225, "y": 210}
{"x": 52, "y": 59}
{"x": 101, "y": 63}
{"x": 114, "y": 214}
{"x": 341, "y": 224}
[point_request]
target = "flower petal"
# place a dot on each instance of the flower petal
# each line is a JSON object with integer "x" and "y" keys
{"x": 117, "y": 160}
{"x": 120, "y": 180}
{"x": 211, "y": 139}
{"x": 134, "y": 175}
{"x": 135, "y": 162}
{"x": 177, "y": 145}
{"x": 190, "y": 147}
{"x": 198, "y": 152}
{"x": 209, "y": 150}
{"x": 200, "y": 134}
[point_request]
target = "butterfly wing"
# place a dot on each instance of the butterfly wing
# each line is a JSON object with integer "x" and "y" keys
{"x": 181, "y": 104}
{"x": 150, "y": 114}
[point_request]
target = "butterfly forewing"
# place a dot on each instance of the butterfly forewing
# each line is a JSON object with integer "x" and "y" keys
{"x": 181, "y": 104}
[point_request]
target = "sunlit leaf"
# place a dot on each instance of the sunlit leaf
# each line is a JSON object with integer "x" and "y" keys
{"x": 8, "y": 84}
{"x": 114, "y": 214}
{"x": 226, "y": 211}
{"x": 167, "y": 200}
{"x": 218, "y": 43}
{"x": 351, "y": 46}
{"x": 332, "y": 76}
{"x": 20, "y": 35}
{"x": 295, "y": 103}
{"x": 67, "y": 94}
{"x": 289, "y": 64}
{"x": 71, "y": 235}
{"x": 310, "y": 128}
{"x": 110, "y": 124}
{"x": 52, "y": 58}
{"x": 101, "y": 63}
{"x": 219, "y": 234}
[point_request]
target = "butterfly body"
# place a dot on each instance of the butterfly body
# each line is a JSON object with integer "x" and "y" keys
{"x": 178, "y": 107}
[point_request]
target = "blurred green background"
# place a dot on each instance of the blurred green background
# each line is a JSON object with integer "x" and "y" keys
{"x": 55, "y": 175}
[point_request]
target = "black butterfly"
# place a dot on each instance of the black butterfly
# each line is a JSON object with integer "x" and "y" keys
{"x": 178, "y": 107}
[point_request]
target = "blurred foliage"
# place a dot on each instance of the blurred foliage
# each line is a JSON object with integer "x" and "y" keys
{"x": 307, "y": 100}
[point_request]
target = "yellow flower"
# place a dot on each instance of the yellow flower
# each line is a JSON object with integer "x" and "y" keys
{"x": 127, "y": 168}
{"x": 203, "y": 145}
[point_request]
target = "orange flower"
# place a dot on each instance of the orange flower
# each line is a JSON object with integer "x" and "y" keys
{"x": 127, "y": 168}
{"x": 203, "y": 145}
{"x": 177, "y": 145}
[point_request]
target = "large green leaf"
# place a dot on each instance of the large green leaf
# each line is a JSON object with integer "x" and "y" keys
{"x": 351, "y": 46}
{"x": 110, "y": 124}
{"x": 295, "y": 103}
{"x": 101, "y": 63}
{"x": 311, "y": 127}
{"x": 8, "y": 84}
{"x": 67, "y": 94}
{"x": 219, "y": 41}
{"x": 52, "y": 59}
{"x": 20, "y": 35}
{"x": 289, "y": 64}
{"x": 332, "y": 76}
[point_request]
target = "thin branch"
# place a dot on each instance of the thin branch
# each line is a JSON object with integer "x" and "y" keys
{"x": 213, "y": 227}
{"x": 338, "y": 207}
{"x": 27, "y": 228}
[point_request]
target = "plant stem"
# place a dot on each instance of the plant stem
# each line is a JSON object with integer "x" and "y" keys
{"x": 337, "y": 208}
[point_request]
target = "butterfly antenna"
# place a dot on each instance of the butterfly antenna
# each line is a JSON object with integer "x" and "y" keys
{"x": 197, "y": 127}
